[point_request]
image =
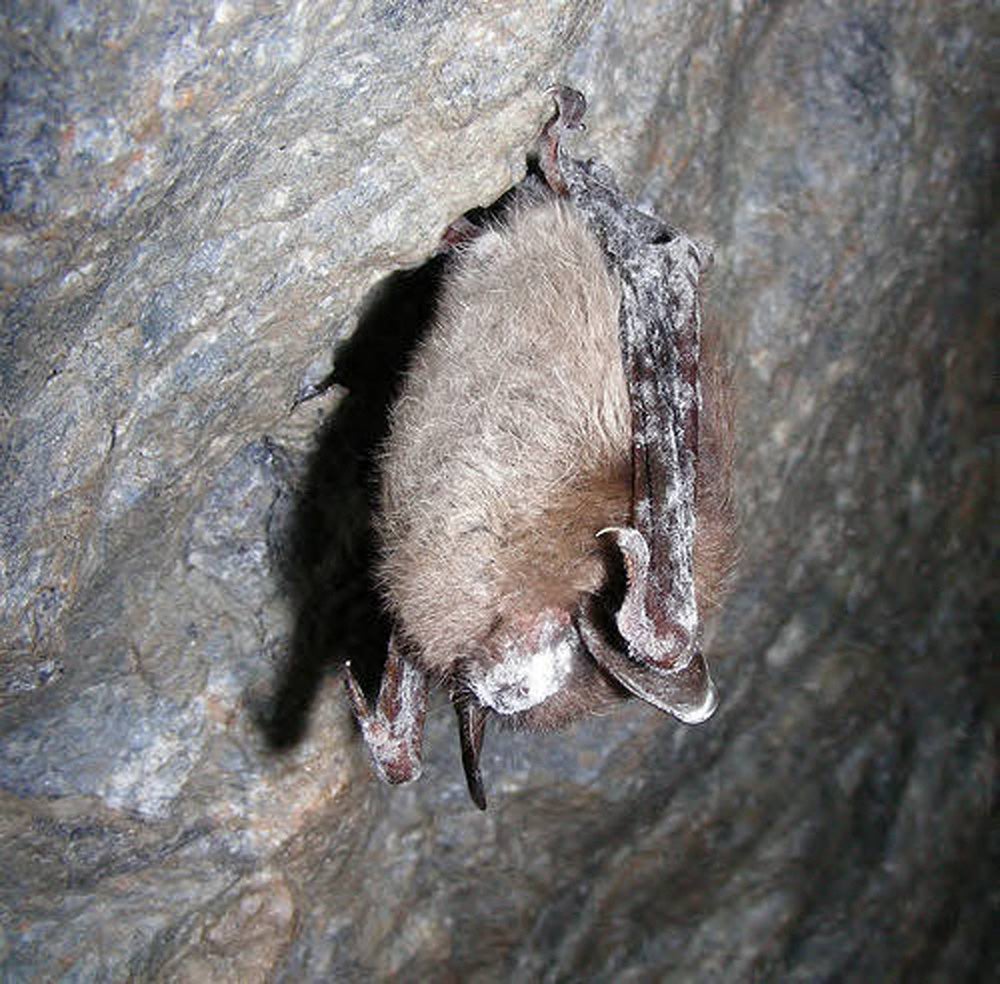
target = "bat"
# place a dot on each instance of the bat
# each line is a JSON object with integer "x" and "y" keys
{"x": 555, "y": 511}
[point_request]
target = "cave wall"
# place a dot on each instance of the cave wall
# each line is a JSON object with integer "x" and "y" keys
{"x": 201, "y": 203}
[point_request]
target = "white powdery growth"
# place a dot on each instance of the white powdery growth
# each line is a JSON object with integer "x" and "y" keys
{"x": 522, "y": 679}
{"x": 682, "y": 280}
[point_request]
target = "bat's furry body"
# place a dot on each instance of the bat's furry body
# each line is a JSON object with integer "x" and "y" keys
{"x": 510, "y": 446}
{"x": 555, "y": 513}
{"x": 510, "y": 450}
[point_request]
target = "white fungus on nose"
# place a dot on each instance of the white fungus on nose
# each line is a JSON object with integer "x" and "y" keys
{"x": 520, "y": 680}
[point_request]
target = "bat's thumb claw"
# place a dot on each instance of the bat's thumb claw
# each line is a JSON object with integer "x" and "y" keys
{"x": 609, "y": 529}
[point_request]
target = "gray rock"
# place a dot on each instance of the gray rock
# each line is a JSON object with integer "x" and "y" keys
{"x": 197, "y": 204}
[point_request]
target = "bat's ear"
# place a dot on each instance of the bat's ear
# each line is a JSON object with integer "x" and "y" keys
{"x": 471, "y": 728}
{"x": 683, "y": 687}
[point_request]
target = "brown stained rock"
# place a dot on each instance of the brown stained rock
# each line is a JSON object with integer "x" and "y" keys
{"x": 242, "y": 942}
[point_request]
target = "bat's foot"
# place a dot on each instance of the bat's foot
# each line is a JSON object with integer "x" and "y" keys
{"x": 394, "y": 729}
{"x": 570, "y": 109}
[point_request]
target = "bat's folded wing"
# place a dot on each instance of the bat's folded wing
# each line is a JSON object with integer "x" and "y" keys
{"x": 659, "y": 269}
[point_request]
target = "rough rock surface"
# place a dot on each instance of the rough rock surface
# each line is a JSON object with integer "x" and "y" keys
{"x": 194, "y": 202}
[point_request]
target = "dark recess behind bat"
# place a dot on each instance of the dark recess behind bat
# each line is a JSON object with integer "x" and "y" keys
{"x": 328, "y": 547}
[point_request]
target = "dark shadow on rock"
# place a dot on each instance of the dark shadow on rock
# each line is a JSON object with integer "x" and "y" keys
{"x": 325, "y": 550}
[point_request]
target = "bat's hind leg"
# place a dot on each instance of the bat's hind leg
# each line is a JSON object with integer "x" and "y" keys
{"x": 394, "y": 729}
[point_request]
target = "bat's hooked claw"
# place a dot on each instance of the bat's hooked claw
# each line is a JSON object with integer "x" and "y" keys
{"x": 570, "y": 109}
{"x": 394, "y": 729}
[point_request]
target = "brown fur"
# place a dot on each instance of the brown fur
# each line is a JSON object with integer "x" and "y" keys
{"x": 510, "y": 450}
{"x": 715, "y": 547}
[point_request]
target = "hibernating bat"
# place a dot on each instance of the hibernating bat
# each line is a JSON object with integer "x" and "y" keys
{"x": 555, "y": 509}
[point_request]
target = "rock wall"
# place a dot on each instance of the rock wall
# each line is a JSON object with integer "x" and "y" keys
{"x": 199, "y": 205}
